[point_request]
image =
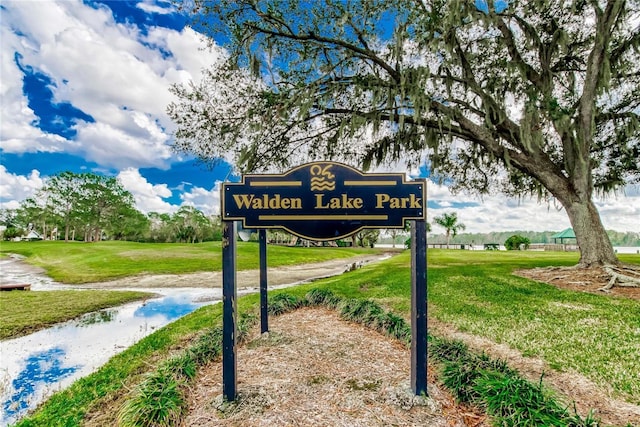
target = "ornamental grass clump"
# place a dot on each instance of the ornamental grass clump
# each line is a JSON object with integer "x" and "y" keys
{"x": 395, "y": 326}
{"x": 207, "y": 347}
{"x": 491, "y": 384}
{"x": 158, "y": 402}
{"x": 322, "y": 297}
{"x": 284, "y": 303}
{"x": 514, "y": 401}
{"x": 182, "y": 367}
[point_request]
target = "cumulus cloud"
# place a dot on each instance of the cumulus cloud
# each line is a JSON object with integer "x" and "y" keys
{"x": 155, "y": 7}
{"x": 16, "y": 188}
{"x": 148, "y": 197}
{"x": 113, "y": 72}
{"x": 208, "y": 201}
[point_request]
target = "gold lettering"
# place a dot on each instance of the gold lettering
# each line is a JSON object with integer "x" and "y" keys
{"x": 385, "y": 200}
{"x": 243, "y": 200}
{"x": 274, "y": 203}
{"x": 250, "y": 201}
{"x": 416, "y": 202}
{"x": 380, "y": 199}
{"x": 257, "y": 203}
{"x": 319, "y": 202}
{"x": 342, "y": 202}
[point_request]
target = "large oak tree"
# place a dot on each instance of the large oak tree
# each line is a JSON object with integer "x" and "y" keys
{"x": 535, "y": 97}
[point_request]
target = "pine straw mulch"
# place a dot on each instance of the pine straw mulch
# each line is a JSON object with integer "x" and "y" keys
{"x": 314, "y": 369}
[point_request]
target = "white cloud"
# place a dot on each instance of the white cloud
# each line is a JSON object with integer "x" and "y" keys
{"x": 148, "y": 197}
{"x": 208, "y": 201}
{"x": 16, "y": 188}
{"x": 153, "y": 7}
{"x": 110, "y": 71}
{"x": 496, "y": 212}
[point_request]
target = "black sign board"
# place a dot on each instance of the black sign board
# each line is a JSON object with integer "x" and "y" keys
{"x": 341, "y": 198}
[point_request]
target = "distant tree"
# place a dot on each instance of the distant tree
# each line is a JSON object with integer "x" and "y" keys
{"x": 63, "y": 193}
{"x": 130, "y": 224}
{"x": 101, "y": 199}
{"x": 12, "y": 232}
{"x": 89, "y": 202}
{"x": 366, "y": 238}
{"x": 449, "y": 221}
{"x": 190, "y": 224}
{"x": 8, "y": 217}
{"x": 407, "y": 227}
{"x": 528, "y": 97}
{"x": 215, "y": 230}
{"x": 515, "y": 242}
{"x": 35, "y": 213}
{"x": 394, "y": 233}
{"x": 160, "y": 227}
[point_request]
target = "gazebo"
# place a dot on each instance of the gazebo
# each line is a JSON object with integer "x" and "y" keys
{"x": 563, "y": 235}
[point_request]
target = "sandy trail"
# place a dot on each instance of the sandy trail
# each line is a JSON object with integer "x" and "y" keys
{"x": 277, "y": 276}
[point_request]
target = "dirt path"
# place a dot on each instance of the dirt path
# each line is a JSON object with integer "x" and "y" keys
{"x": 278, "y": 276}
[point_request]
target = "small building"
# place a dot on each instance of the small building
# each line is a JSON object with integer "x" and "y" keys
{"x": 566, "y": 234}
{"x": 32, "y": 235}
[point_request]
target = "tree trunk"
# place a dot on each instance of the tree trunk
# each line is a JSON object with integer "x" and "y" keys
{"x": 595, "y": 246}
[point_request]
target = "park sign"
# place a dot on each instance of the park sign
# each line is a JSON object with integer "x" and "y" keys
{"x": 324, "y": 201}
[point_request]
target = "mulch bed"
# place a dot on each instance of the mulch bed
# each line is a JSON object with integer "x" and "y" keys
{"x": 314, "y": 369}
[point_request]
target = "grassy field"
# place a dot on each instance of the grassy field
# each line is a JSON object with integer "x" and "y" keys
{"x": 77, "y": 263}
{"x": 594, "y": 335}
{"x": 26, "y": 312}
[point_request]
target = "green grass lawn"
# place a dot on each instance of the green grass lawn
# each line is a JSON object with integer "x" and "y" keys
{"x": 595, "y": 335}
{"x": 77, "y": 263}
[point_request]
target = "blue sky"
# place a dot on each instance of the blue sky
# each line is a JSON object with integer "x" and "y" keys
{"x": 84, "y": 87}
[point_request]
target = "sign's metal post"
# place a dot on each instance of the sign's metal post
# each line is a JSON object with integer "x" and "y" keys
{"x": 229, "y": 320}
{"x": 419, "y": 307}
{"x": 264, "y": 313}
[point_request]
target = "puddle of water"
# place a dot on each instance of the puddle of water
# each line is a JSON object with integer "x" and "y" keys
{"x": 35, "y": 366}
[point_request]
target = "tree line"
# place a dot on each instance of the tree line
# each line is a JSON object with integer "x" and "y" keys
{"x": 90, "y": 207}
{"x": 617, "y": 238}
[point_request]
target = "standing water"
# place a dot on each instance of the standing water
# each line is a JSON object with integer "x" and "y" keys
{"x": 33, "y": 367}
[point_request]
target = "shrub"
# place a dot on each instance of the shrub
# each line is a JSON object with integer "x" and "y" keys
{"x": 516, "y": 241}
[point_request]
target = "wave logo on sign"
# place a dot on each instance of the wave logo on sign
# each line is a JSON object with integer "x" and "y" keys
{"x": 322, "y": 178}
